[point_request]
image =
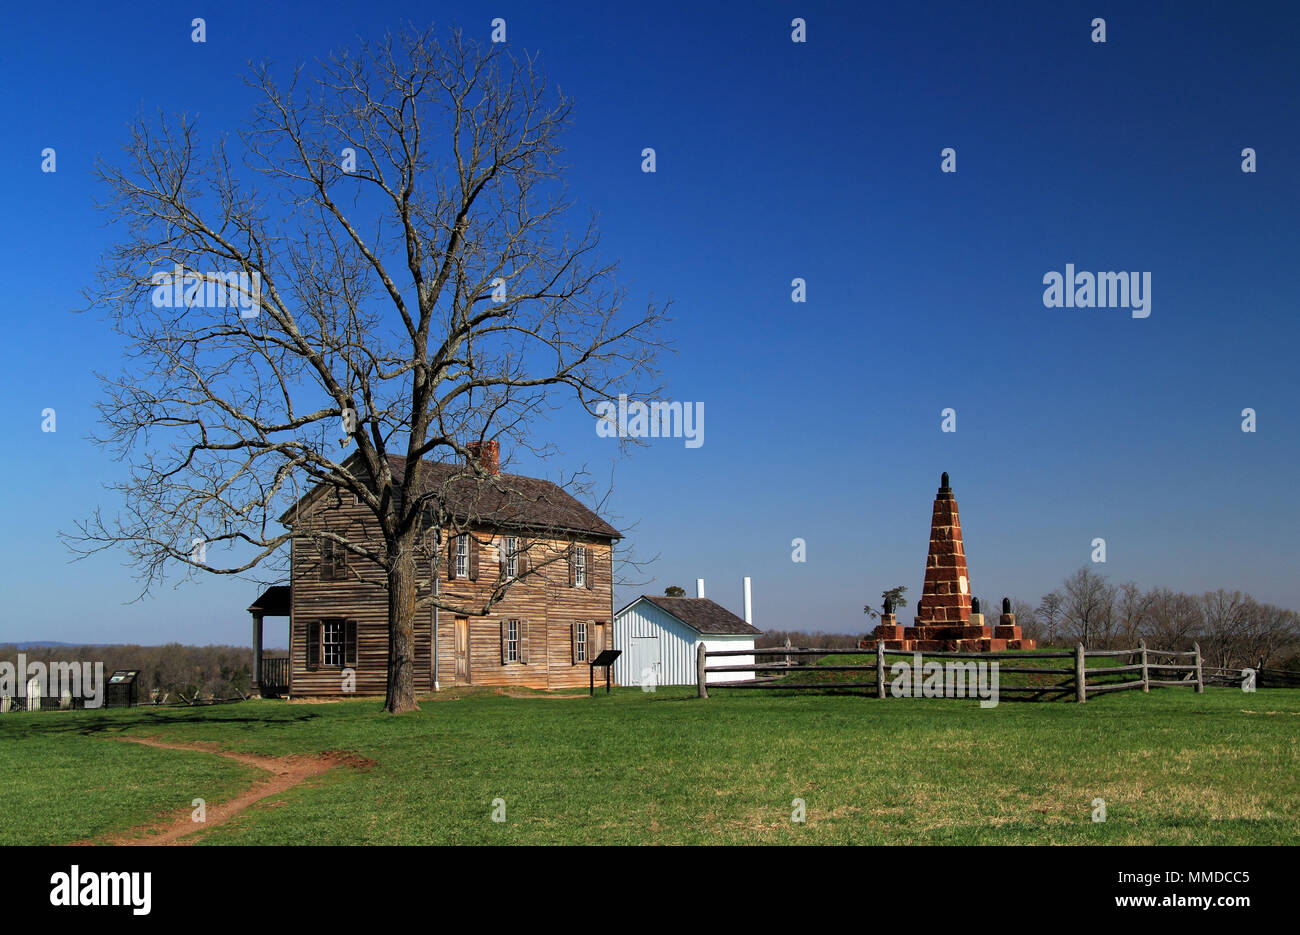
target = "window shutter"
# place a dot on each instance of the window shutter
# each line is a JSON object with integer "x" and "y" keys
{"x": 521, "y": 561}
{"x": 451, "y": 558}
{"x": 313, "y": 645}
{"x": 597, "y": 638}
{"x": 350, "y": 643}
{"x": 571, "y": 565}
{"x": 501, "y": 559}
{"x": 340, "y": 562}
{"x": 473, "y": 558}
{"x": 573, "y": 644}
{"x": 326, "y": 560}
{"x": 523, "y": 642}
{"x": 505, "y": 641}
{"x": 591, "y": 567}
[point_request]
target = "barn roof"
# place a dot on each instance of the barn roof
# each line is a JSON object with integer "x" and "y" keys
{"x": 504, "y": 500}
{"x": 702, "y": 614}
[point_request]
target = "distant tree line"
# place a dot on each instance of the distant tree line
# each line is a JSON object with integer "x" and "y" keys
{"x": 170, "y": 670}
{"x": 802, "y": 638}
{"x": 1233, "y": 628}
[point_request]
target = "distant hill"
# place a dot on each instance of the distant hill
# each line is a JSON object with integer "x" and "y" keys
{"x": 46, "y": 644}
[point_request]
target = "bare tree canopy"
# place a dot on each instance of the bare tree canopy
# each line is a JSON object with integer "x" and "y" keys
{"x": 388, "y": 268}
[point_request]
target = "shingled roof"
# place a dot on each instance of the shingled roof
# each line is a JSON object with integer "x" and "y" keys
{"x": 703, "y": 615}
{"x": 502, "y": 501}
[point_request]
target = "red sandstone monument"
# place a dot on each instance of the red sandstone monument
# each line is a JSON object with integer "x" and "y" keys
{"x": 946, "y": 618}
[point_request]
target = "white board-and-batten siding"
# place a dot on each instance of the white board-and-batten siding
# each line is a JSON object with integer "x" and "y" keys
{"x": 672, "y": 650}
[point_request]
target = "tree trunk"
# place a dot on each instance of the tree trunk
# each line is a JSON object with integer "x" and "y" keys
{"x": 401, "y": 634}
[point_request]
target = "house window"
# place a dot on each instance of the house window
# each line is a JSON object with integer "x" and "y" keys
{"x": 512, "y": 561}
{"x": 580, "y": 566}
{"x": 331, "y": 643}
{"x": 334, "y": 561}
{"x": 580, "y": 642}
{"x": 462, "y": 556}
{"x": 512, "y": 641}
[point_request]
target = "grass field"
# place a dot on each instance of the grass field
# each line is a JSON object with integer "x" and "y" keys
{"x": 1173, "y": 768}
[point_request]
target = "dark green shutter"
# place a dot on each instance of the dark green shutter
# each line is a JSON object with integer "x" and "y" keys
{"x": 350, "y": 643}
{"x": 313, "y": 645}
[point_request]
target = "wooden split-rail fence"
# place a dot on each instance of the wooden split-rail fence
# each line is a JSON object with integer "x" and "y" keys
{"x": 1182, "y": 670}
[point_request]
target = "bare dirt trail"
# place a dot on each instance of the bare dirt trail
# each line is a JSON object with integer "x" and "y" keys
{"x": 285, "y": 773}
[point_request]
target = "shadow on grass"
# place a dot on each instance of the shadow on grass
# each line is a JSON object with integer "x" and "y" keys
{"x": 118, "y": 720}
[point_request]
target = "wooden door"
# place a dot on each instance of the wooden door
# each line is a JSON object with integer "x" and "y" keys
{"x": 462, "y": 649}
{"x": 643, "y": 658}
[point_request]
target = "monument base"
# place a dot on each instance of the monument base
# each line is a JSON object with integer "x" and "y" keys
{"x": 970, "y": 636}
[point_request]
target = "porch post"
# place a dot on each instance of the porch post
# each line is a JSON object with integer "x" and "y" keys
{"x": 257, "y": 651}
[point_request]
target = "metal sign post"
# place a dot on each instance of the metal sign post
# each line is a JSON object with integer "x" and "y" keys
{"x": 605, "y": 659}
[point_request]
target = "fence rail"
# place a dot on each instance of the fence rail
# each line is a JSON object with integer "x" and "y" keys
{"x": 1152, "y": 672}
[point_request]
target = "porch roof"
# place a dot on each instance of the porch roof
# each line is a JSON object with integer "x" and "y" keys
{"x": 274, "y": 602}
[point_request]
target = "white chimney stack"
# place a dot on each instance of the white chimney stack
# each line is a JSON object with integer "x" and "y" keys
{"x": 749, "y": 604}
{"x": 699, "y": 587}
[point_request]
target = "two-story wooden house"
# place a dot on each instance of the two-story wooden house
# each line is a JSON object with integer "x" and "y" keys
{"x": 552, "y": 555}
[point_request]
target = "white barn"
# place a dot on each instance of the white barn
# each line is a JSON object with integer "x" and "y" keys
{"x": 659, "y": 635}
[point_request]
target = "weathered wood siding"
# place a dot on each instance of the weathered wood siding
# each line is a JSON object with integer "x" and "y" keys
{"x": 542, "y": 599}
{"x": 361, "y": 596}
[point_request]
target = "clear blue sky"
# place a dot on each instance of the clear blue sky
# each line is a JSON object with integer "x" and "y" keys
{"x": 777, "y": 160}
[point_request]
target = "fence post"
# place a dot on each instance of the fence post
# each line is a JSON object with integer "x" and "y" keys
{"x": 880, "y": 668}
{"x": 699, "y": 669}
{"x": 1200, "y": 682}
{"x": 1146, "y": 675}
{"x": 1080, "y": 686}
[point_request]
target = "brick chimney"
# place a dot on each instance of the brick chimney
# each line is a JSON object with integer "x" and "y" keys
{"x": 488, "y": 454}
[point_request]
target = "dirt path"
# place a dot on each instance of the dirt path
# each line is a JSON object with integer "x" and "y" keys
{"x": 285, "y": 773}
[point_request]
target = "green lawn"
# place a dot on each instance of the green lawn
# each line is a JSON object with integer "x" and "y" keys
{"x": 1173, "y": 767}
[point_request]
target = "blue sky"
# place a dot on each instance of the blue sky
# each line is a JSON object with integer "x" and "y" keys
{"x": 779, "y": 160}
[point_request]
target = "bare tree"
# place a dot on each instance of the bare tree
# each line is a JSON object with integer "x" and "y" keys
{"x": 1049, "y": 613}
{"x": 396, "y": 239}
{"x": 1226, "y": 615}
{"x": 1268, "y": 631}
{"x": 1174, "y": 620}
{"x": 1132, "y": 608}
{"x": 1088, "y": 607}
